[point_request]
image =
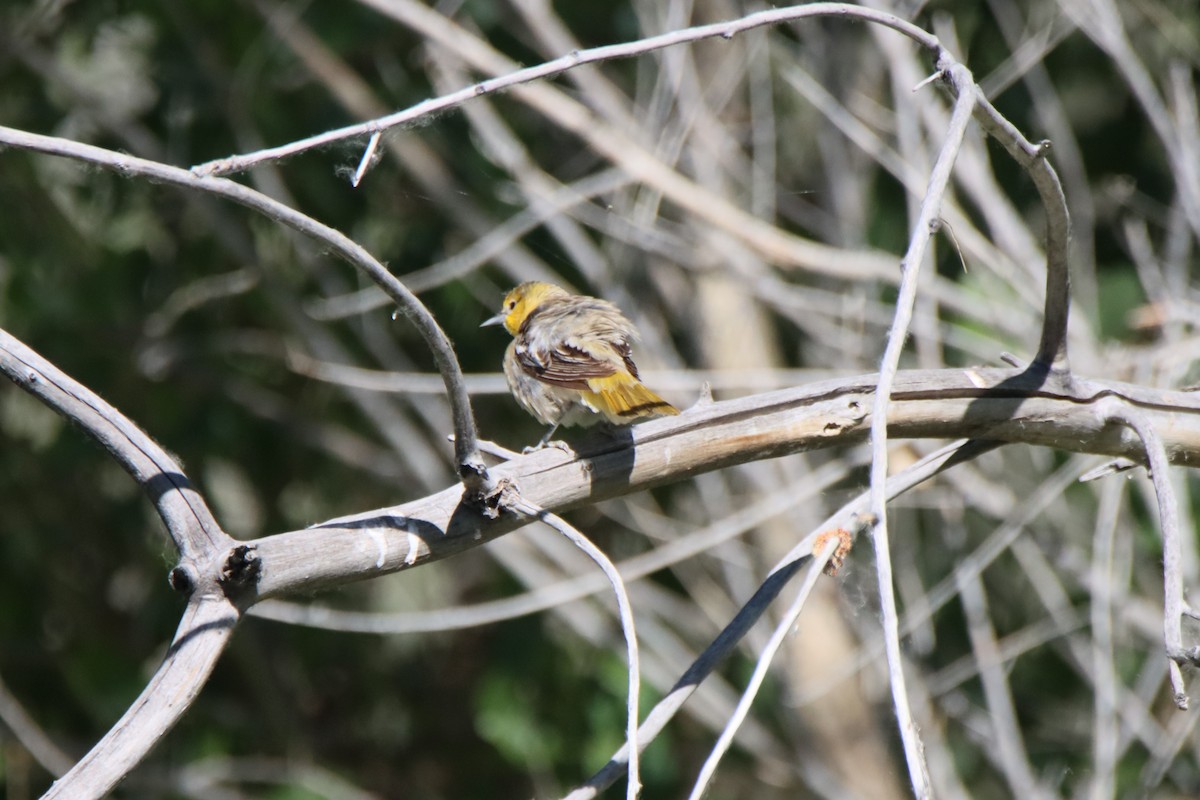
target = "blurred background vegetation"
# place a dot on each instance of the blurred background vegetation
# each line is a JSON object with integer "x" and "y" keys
{"x": 229, "y": 340}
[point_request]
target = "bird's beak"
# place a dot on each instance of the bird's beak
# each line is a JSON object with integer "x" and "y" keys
{"x": 496, "y": 320}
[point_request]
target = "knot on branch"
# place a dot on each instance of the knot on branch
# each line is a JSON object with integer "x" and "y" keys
{"x": 183, "y": 579}
{"x": 479, "y": 484}
{"x": 240, "y": 568}
{"x": 501, "y": 497}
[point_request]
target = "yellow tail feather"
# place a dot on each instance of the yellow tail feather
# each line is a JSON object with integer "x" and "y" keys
{"x": 622, "y": 398}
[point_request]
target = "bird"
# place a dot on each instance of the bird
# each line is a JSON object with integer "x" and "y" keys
{"x": 570, "y": 361}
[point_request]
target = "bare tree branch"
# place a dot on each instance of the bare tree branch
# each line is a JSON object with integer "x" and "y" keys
{"x": 31, "y": 736}
{"x": 1168, "y": 521}
{"x": 910, "y": 267}
{"x": 1004, "y": 405}
{"x": 557, "y": 594}
{"x": 1052, "y": 352}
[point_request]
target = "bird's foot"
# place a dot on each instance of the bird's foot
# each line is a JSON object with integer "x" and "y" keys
{"x": 556, "y": 443}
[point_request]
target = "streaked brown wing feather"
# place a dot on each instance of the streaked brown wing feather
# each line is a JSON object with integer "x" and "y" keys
{"x": 564, "y": 365}
{"x": 626, "y": 353}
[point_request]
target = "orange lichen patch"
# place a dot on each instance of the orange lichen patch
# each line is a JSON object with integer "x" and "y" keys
{"x": 839, "y": 555}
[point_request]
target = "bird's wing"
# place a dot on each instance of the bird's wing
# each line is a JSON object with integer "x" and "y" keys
{"x": 570, "y": 363}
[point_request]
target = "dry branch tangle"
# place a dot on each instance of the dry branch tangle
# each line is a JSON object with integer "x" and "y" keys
{"x": 994, "y": 404}
{"x": 1001, "y": 405}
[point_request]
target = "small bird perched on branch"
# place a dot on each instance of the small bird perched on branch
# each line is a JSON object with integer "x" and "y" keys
{"x": 570, "y": 362}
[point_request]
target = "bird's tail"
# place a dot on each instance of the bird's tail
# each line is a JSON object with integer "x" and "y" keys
{"x": 622, "y": 398}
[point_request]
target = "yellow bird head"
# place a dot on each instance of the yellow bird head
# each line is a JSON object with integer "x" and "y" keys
{"x": 523, "y": 301}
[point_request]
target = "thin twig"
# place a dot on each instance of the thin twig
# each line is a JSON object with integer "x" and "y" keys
{"x": 1051, "y": 114}
{"x": 368, "y": 159}
{"x": 25, "y": 729}
{"x": 691, "y": 679}
{"x": 725, "y": 30}
{"x": 1104, "y": 737}
{"x": 469, "y": 463}
{"x": 939, "y": 177}
{"x": 1052, "y": 352}
{"x": 1168, "y": 521}
{"x": 1006, "y": 731}
{"x": 576, "y": 537}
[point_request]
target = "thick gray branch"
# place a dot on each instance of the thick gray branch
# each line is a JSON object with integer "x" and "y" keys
{"x": 995, "y": 404}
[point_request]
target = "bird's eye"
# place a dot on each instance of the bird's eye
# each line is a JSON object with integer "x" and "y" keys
{"x": 512, "y": 304}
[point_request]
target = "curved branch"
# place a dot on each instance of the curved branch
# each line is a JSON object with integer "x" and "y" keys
{"x": 203, "y": 633}
{"x": 625, "y": 612}
{"x": 36, "y": 741}
{"x": 191, "y": 525}
{"x": 468, "y": 460}
{"x": 1168, "y": 522}
{"x": 1052, "y": 351}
